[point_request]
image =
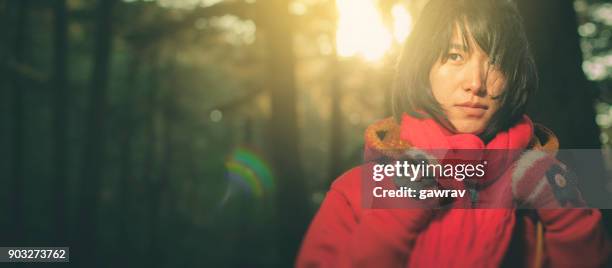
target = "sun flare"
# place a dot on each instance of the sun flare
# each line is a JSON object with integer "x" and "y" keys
{"x": 361, "y": 31}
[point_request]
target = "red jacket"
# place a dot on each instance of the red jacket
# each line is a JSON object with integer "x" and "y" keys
{"x": 343, "y": 234}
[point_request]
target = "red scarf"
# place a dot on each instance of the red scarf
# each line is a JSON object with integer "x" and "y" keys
{"x": 466, "y": 237}
{"x": 428, "y": 134}
{"x": 500, "y": 152}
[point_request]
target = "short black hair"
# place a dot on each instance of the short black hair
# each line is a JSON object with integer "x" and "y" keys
{"x": 497, "y": 28}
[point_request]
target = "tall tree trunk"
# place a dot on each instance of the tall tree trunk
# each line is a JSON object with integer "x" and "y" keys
{"x": 95, "y": 138}
{"x": 564, "y": 91}
{"x": 61, "y": 102}
{"x": 150, "y": 112}
{"x": 335, "y": 143}
{"x": 149, "y": 173}
{"x": 293, "y": 206}
{"x": 19, "y": 40}
{"x": 126, "y": 173}
{"x": 552, "y": 31}
{"x": 6, "y": 113}
{"x": 159, "y": 187}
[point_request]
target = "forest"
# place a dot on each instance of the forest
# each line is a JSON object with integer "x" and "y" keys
{"x": 184, "y": 133}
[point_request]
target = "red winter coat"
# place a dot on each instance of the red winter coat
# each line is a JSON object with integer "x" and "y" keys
{"x": 343, "y": 234}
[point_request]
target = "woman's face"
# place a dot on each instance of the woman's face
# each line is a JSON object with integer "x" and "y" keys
{"x": 465, "y": 86}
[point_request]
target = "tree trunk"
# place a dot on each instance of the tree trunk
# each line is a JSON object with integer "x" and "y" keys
{"x": 19, "y": 40}
{"x": 151, "y": 110}
{"x": 61, "y": 124}
{"x": 95, "y": 138}
{"x": 335, "y": 143}
{"x": 159, "y": 187}
{"x": 150, "y": 175}
{"x": 552, "y": 31}
{"x": 126, "y": 173}
{"x": 292, "y": 197}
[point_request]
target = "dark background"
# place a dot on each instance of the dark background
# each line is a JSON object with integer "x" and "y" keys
{"x": 205, "y": 133}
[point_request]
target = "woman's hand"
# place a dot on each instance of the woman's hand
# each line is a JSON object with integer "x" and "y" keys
{"x": 539, "y": 181}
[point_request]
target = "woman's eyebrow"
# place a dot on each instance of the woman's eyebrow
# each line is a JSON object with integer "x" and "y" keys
{"x": 458, "y": 47}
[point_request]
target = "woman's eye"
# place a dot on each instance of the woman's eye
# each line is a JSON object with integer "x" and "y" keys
{"x": 455, "y": 57}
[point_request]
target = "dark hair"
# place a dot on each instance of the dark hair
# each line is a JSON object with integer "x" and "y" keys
{"x": 497, "y": 28}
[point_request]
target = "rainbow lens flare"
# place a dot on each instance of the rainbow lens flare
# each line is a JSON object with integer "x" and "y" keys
{"x": 250, "y": 172}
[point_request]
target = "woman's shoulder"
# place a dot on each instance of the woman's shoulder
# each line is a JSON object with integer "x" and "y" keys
{"x": 349, "y": 182}
{"x": 543, "y": 139}
{"x": 382, "y": 138}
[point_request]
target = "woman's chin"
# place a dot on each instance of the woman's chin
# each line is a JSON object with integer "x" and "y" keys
{"x": 469, "y": 126}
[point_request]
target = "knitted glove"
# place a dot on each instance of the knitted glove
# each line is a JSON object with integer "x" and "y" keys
{"x": 539, "y": 180}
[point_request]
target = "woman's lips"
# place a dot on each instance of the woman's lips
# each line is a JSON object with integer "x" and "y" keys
{"x": 473, "y": 110}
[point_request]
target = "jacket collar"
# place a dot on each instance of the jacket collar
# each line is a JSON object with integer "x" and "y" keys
{"x": 383, "y": 139}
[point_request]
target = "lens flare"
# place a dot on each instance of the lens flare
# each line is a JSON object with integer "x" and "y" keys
{"x": 250, "y": 172}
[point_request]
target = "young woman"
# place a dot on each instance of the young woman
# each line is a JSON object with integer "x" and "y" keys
{"x": 462, "y": 83}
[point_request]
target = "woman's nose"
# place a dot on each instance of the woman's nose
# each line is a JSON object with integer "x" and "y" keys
{"x": 474, "y": 79}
